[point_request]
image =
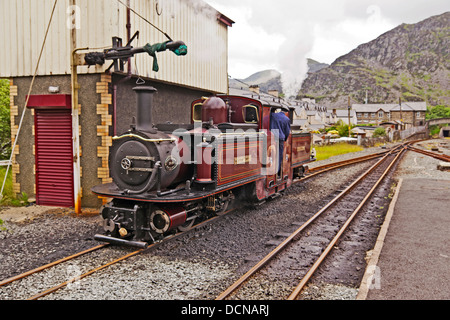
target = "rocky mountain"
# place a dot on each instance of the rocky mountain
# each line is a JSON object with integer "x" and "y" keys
{"x": 315, "y": 66}
{"x": 412, "y": 61}
{"x": 262, "y": 77}
{"x": 266, "y": 80}
{"x": 271, "y": 79}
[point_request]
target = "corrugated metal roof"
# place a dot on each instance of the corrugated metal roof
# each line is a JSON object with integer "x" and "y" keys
{"x": 23, "y": 24}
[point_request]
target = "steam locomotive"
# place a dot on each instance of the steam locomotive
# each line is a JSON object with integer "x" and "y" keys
{"x": 169, "y": 177}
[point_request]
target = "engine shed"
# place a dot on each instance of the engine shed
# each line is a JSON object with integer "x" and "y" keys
{"x": 62, "y": 148}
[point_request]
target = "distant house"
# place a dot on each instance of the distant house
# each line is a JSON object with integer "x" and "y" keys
{"x": 391, "y": 125}
{"x": 314, "y": 117}
{"x": 330, "y": 117}
{"x": 311, "y": 116}
{"x": 343, "y": 115}
{"x": 307, "y": 114}
{"x": 409, "y": 113}
{"x": 299, "y": 113}
{"x": 372, "y": 113}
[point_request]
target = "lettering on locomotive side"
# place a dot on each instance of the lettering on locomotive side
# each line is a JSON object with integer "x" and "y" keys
{"x": 243, "y": 159}
{"x": 232, "y": 147}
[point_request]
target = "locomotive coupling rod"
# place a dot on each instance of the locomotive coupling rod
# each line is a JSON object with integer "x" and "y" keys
{"x": 121, "y": 242}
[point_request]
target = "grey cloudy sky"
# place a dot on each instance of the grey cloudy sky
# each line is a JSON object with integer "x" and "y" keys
{"x": 281, "y": 34}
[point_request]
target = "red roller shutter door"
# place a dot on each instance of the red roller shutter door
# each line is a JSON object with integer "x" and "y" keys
{"x": 54, "y": 157}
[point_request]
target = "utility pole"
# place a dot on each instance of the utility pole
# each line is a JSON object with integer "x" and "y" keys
{"x": 349, "y": 125}
{"x": 401, "y": 114}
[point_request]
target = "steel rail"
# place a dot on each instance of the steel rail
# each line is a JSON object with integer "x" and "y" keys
{"x": 62, "y": 285}
{"x": 441, "y": 157}
{"x": 39, "y": 269}
{"x": 296, "y": 233}
{"x": 152, "y": 246}
{"x": 336, "y": 165}
{"x": 330, "y": 246}
{"x": 349, "y": 161}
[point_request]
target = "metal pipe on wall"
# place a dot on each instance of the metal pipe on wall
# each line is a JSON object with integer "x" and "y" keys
{"x": 75, "y": 114}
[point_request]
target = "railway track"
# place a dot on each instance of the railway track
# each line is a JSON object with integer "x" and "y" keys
{"x": 336, "y": 165}
{"x": 36, "y": 296}
{"x": 52, "y": 264}
{"x": 19, "y": 283}
{"x": 441, "y": 157}
{"x": 305, "y": 249}
{"x": 310, "y": 174}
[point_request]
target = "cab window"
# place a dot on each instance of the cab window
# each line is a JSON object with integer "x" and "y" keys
{"x": 250, "y": 114}
{"x": 197, "y": 112}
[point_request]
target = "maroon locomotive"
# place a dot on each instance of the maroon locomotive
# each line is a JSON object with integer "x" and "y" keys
{"x": 169, "y": 177}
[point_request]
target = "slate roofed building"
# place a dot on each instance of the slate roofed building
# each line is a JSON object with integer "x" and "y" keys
{"x": 343, "y": 115}
{"x": 410, "y": 113}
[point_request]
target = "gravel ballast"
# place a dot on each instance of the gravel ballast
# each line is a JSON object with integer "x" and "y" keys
{"x": 196, "y": 266}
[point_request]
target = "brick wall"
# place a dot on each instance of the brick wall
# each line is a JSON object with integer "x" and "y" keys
{"x": 103, "y": 89}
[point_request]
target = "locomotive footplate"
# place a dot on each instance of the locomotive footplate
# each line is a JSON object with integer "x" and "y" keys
{"x": 135, "y": 220}
{"x": 110, "y": 190}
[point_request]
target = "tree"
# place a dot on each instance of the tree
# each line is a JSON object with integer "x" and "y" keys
{"x": 379, "y": 132}
{"x": 438, "y": 112}
{"x": 5, "y": 121}
{"x": 342, "y": 128}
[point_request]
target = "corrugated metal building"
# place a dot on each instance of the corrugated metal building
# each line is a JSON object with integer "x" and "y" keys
{"x": 106, "y": 101}
{"x": 194, "y": 22}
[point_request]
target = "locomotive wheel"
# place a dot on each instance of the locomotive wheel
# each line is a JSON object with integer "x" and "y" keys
{"x": 224, "y": 208}
{"x": 187, "y": 225}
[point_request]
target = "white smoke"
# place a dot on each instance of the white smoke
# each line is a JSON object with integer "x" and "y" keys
{"x": 292, "y": 62}
{"x": 282, "y": 34}
{"x": 294, "y": 24}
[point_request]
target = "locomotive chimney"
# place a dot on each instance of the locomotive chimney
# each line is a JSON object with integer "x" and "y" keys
{"x": 144, "y": 108}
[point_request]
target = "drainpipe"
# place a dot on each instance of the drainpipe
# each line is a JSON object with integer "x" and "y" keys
{"x": 75, "y": 121}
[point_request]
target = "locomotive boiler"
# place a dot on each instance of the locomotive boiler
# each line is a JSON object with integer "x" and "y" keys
{"x": 168, "y": 177}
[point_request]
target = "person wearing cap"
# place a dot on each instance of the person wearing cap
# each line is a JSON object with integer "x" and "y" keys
{"x": 280, "y": 125}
